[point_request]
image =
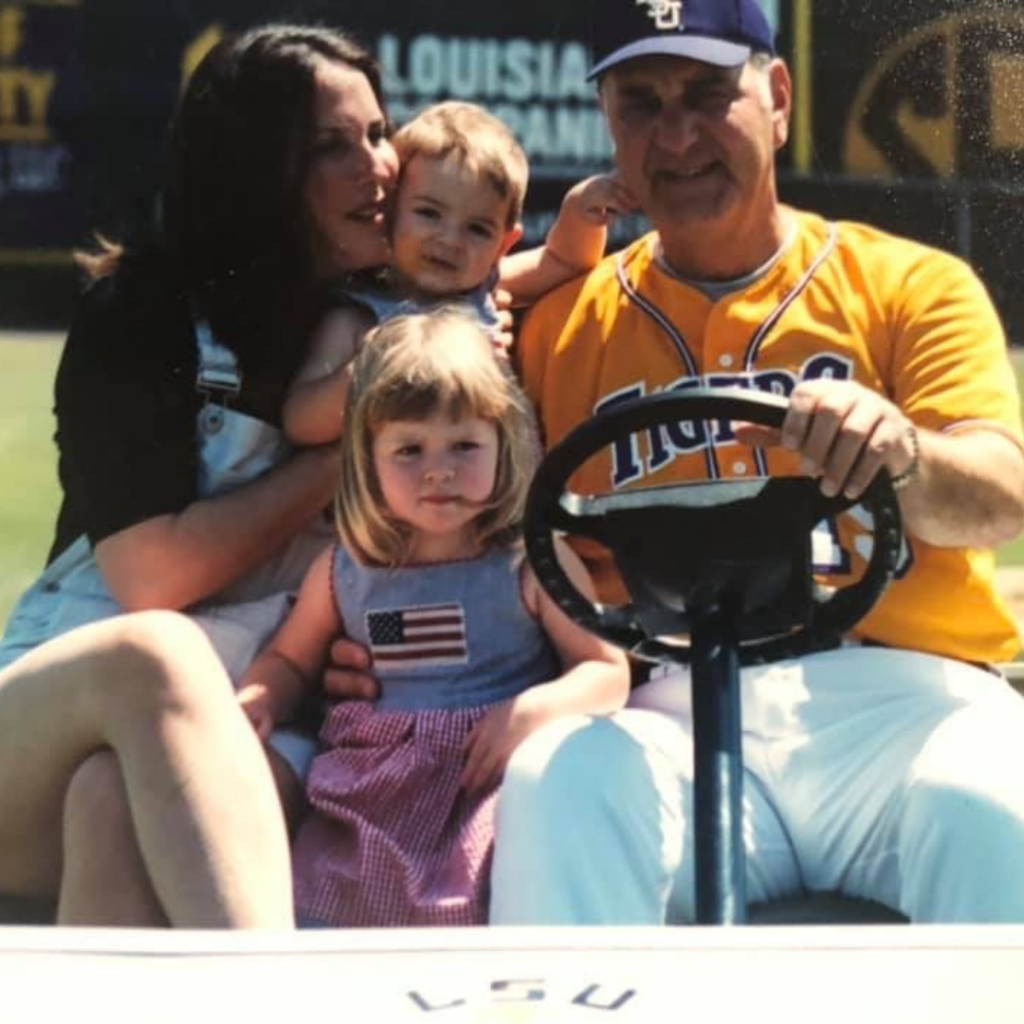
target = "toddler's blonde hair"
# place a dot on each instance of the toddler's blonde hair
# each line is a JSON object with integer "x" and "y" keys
{"x": 482, "y": 143}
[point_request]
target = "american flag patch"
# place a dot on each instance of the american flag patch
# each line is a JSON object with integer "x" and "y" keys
{"x": 433, "y": 634}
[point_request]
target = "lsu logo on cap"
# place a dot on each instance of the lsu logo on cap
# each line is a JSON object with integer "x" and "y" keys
{"x": 667, "y": 15}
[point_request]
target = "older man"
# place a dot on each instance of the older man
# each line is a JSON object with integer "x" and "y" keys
{"x": 890, "y": 768}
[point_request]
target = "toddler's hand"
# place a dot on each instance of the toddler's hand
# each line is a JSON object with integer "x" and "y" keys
{"x": 256, "y": 703}
{"x": 502, "y": 337}
{"x": 600, "y": 198}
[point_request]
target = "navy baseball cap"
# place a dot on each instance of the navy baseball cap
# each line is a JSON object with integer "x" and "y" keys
{"x": 722, "y": 32}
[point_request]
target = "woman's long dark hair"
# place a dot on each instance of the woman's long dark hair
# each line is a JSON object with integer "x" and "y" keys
{"x": 234, "y": 230}
{"x": 235, "y": 227}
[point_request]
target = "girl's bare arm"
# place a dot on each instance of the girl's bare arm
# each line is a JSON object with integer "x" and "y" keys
{"x": 293, "y": 661}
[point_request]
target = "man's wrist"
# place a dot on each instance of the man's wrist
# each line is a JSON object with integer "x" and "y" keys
{"x": 901, "y": 480}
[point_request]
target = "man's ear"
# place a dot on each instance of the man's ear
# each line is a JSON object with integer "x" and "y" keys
{"x": 512, "y": 236}
{"x": 781, "y": 86}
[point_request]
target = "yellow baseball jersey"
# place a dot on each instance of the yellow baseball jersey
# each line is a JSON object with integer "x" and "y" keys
{"x": 845, "y": 301}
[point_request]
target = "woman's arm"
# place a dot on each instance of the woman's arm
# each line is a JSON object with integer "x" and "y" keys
{"x": 315, "y": 403}
{"x": 594, "y": 681}
{"x": 289, "y": 666}
{"x": 173, "y": 560}
{"x": 127, "y": 406}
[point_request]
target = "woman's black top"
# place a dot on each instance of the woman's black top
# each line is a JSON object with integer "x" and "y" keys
{"x": 126, "y": 406}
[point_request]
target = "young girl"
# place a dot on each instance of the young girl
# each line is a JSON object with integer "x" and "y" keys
{"x": 472, "y": 656}
{"x": 455, "y": 216}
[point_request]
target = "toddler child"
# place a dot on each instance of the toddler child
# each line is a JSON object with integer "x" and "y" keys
{"x": 471, "y": 654}
{"x": 456, "y": 215}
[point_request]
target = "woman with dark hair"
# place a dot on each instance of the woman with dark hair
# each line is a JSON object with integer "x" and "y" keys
{"x": 179, "y": 494}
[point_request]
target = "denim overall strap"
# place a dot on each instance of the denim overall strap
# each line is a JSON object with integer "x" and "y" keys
{"x": 218, "y": 378}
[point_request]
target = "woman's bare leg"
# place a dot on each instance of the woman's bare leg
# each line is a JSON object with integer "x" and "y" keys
{"x": 105, "y": 881}
{"x": 149, "y": 687}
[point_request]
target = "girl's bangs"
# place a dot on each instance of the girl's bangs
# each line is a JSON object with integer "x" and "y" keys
{"x": 453, "y": 395}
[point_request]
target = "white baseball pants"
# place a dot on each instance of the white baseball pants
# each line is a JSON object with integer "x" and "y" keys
{"x": 884, "y": 774}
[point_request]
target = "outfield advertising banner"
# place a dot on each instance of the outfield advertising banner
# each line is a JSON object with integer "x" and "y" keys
{"x": 86, "y": 89}
{"x": 41, "y": 86}
{"x": 909, "y": 115}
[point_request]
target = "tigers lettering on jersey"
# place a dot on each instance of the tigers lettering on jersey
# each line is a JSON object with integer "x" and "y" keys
{"x": 668, "y": 442}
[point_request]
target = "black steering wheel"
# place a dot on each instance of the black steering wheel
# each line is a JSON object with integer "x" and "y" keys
{"x": 740, "y": 548}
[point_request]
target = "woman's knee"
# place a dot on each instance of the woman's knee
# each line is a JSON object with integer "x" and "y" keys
{"x": 160, "y": 641}
{"x": 152, "y": 662}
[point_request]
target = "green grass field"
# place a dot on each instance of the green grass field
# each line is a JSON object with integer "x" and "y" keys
{"x": 28, "y": 457}
{"x": 27, "y": 460}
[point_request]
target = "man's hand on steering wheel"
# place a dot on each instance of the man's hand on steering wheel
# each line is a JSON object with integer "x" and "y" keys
{"x": 844, "y": 432}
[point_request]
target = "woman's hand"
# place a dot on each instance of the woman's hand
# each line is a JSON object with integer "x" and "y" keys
{"x": 258, "y": 704}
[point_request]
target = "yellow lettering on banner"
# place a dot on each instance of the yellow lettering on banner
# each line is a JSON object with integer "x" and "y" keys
{"x": 935, "y": 137}
{"x": 24, "y": 104}
{"x": 12, "y": 32}
{"x": 1006, "y": 75}
{"x": 919, "y": 111}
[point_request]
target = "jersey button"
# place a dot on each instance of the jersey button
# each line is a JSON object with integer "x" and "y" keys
{"x": 725, "y": 360}
{"x": 739, "y": 469}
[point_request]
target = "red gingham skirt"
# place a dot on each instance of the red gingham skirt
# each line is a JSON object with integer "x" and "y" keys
{"x": 392, "y": 839}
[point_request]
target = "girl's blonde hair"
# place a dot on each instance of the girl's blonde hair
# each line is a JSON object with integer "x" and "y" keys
{"x": 410, "y": 368}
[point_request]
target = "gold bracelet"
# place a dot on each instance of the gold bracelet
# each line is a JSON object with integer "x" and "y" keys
{"x": 901, "y": 480}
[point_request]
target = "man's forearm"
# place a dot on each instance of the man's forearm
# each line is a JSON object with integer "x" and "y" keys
{"x": 968, "y": 491}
